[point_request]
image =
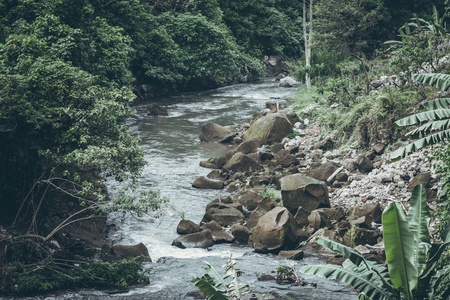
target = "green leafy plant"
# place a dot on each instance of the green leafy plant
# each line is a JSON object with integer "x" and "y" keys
{"x": 214, "y": 287}
{"x": 269, "y": 192}
{"x": 436, "y": 119}
{"x": 412, "y": 260}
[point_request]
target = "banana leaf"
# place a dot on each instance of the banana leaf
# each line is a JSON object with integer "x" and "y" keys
{"x": 437, "y": 103}
{"x": 441, "y": 81}
{"x": 399, "y": 246}
{"x": 429, "y": 127}
{"x": 423, "y": 142}
{"x": 348, "y": 252}
{"x": 431, "y": 115}
{"x": 365, "y": 281}
{"x": 419, "y": 219}
{"x": 212, "y": 285}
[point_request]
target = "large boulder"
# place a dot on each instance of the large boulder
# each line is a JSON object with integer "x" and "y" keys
{"x": 218, "y": 233}
{"x": 240, "y": 233}
{"x": 226, "y": 214}
{"x": 250, "y": 146}
{"x": 301, "y": 190}
{"x": 370, "y": 212}
{"x": 276, "y": 230}
{"x": 323, "y": 172}
{"x": 364, "y": 164}
{"x": 271, "y": 128}
{"x": 204, "y": 183}
{"x": 241, "y": 162}
{"x": 288, "y": 82}
{"x": 203, "y": 239}
{"x": 119, "y": 252}
{"x": 250, "y": 199}
{"x": 187, "y": 227}
{"x": 423, "y": 179}
{"x": 212, "y": 132}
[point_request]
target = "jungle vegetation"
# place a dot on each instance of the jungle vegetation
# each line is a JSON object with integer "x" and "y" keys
{"x": 70, "y": 70}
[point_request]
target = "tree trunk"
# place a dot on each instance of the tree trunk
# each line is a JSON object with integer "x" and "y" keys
{"x": 307, "y": 42}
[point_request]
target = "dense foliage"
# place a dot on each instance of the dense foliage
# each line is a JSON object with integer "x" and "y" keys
{"x": 412, "y": 260}
{"x": 68, "y": 70}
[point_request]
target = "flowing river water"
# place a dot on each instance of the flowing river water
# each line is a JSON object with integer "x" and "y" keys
{"x": 173, "y": 152}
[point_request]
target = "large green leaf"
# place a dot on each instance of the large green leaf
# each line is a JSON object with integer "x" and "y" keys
{"x": 423, "y": 142}
{"x": 399, "y": 246}
{"x": 360, "y": 278}
{"x": 429, "y": 127}
{"x": 348, "y": 252}
{"x": 441, "y": 81}
{"x": 437, "y": 103}
{"x": 419, "y": 220}
{"x": 431, "y": 115}
{"x": 212, "y": 285}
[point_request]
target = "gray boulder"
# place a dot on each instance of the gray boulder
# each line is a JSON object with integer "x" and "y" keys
{"x": 240, "y": 233}
{"x": 250, "y": 146}
{"x": 288, "y": 82}
{"x": 271, "y": 128}
{"x": 301, "y": 190}
{"x": 323, "y": 172}
{"x": 423, "y": 179}
{"x": 119, "y": 252}
{"x": 212, "y": 132}
{"x": 250, "y": 199}
{"x": 226, "y": 214}
{"x": 241, "y": 162}
{"x": 187, "y": 227}
{"x": 291, "y": 254}
{"x": 203, "y": 239}
{"x": 364, "y": 164}
{"x": 204, "y": 183}
{"x": 218, "y": 233}
{"x": 276, "y": 230}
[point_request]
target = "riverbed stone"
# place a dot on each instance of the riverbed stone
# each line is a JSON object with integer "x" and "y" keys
{"x": 250, "y": 145}
{"x": 288, "y": 82}
{"x": 271, "y": 128}
{"x": 212, "y": 132}
{"x": 301, "y": 190}
{"x": 204, "y": 183}
{"x": 323, "y": 171}
{"x": 276, "y": 230}
{"x": 370, "y": 211}
{"x": 250, "y": 199}
{"x": 423, "y": 179}
{"x": 119, "y": 252}
{"x": 301, "y": 216}
{"x": 203, "y": 239}
{"x": 218, "y": 233}
{"x": 241, "y": 162}
{"x": 287, "y": 160}
{"x": 240, "y": 233}
{"x": 291, "y": 254}
{"x": 226, "y": 214}
{"x": 364, "y": 164}
{"x": 187, "y": 227}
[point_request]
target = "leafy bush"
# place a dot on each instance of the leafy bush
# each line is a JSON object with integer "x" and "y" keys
{"x": 442, "y": 154}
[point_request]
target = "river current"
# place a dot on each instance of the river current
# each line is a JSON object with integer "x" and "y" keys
{"x": 173, "y": 152}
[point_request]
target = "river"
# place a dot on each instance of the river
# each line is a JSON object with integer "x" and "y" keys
{"x": 173, "y": 152}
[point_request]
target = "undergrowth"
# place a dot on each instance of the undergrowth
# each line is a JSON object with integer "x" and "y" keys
{"x": 58, "y": 274}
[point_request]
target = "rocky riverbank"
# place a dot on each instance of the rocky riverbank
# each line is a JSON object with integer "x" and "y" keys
{"x": 284, "y": 193}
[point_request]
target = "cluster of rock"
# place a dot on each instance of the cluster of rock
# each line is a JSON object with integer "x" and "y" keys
{"x": 285, "y": 193}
